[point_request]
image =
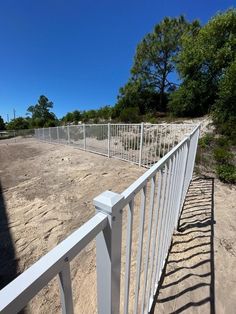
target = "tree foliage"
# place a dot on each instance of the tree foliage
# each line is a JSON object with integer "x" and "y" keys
{"x": 101, "y": 114}
{"x": 155, "y": 57}
{"x": 2, "y": 124}
{"x": 202, "y": 64}
{"x": 130, "y": 115}
{"x": 224, "y": 110}
{"x": 19, "y": 123}
{"x": 135, "y": 95}
{"x": 41, "y": 114}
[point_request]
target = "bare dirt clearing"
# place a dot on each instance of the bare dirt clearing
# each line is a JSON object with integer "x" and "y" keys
{"x": 48, "y": 192}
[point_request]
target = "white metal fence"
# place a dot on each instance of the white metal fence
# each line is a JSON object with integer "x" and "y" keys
{"x": 133, "y": 233}
{"x": 143, "y": 144}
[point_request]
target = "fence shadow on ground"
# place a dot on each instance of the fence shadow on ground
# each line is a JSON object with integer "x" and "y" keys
{"x": 8, "y": 262}
{"x": 188, "y": 280}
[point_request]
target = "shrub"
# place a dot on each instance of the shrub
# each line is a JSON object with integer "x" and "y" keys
{"x": 149, "y": 117}
{"x": 222, "y": 155}
{"x": 152, "y": 120}
{"x": 206, "y": 140}
{"x": 223, "y": 142}
{"x": 226, "y": 173}
{"x": 130, "y": 115}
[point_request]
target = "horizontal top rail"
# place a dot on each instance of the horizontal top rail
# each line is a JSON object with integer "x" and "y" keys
{"x": 179, "y": 124}
{"x": 125, "y": 124}
{"x": 21, "y": 290}
{"x": 140, "y": 182}
{"x": 90, "y": 124}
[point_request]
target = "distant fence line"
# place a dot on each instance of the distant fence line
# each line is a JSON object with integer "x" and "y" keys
{"x": 142, "y": 144}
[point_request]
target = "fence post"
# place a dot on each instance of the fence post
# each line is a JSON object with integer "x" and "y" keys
{"x": 108, "y": 253}
{"x": 141, "y": 144}
{"x": 109, "y": 139}
{"x": 68, "y": 134}
{"x": 84, "y": 130}
{"x": 58, "y": 134}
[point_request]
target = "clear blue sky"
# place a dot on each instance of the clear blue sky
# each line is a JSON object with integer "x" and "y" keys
{"x": 78, "y": 53}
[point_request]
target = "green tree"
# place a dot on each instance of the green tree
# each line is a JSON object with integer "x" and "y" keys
{"x": 69, "y": 117}
{"x": 224, "y": 110}
{"x": 202, "y": 64}
{"x": 134, "y": 94}
{"x": 130, "y": 115}
{"x": 41, "y": 114}
{"x": 77, "y": 116}
{"x": 88, "y": 115}
{"x": 105, "y": 113}
{"x": 155, "y": 57}
{"x": 19, "y": 123}
{"x": 2, "y": 124}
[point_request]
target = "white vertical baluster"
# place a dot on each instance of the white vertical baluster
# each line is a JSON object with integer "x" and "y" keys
{"x": 140, "y": 247}
{"x": 152, "y": 194}
{"x": 65, "y": 289}
{"x": 128, "y": 255}
{"x": 141, "y": 144}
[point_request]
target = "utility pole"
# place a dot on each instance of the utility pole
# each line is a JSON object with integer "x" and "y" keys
{"x": 14, "y": 113}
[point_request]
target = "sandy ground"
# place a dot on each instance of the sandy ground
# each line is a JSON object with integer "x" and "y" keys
{"x": 47, "y": 192}
{"x": 200, "y": 272}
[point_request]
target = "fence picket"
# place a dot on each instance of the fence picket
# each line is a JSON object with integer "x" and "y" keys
{"x": 66, "y": 290}
{"x": 140, "y": 247}
{"x": 128, "y": 255}
{"x": 152, "y": 195}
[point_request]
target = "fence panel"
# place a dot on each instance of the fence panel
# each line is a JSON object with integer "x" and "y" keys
{"x": 54, "y": 135}
{"x": 97, "y": 138}
{"x": 125, "y": 142}
{"x": 77, "y": 135}
{"x": 63, "y": 135}
{"x": 142, "y": 144}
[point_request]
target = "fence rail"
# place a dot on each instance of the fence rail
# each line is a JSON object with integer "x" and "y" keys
{"x": 156, "y": 198}
{"x": 142, "y": 144}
